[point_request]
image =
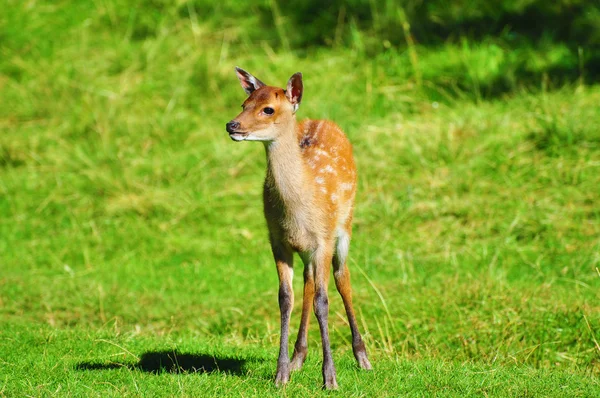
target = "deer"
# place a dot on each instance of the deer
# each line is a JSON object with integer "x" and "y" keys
{"x": 308, "y": 204}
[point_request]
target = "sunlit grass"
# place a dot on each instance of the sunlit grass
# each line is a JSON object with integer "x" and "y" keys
{"x": 131, "y": 224}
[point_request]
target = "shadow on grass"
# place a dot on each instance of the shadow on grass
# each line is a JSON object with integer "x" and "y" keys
{"x": 174, "y": 362}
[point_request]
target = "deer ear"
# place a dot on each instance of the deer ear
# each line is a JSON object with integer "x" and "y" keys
{"x": 294, "y": 90}
{"x": 249, "y": 83}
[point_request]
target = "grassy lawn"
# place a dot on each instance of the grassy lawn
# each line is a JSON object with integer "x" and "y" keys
{"x": 134, "y": 258}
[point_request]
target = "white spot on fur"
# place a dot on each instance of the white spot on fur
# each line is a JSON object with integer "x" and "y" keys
{"x": 334, "y": 197}
{"x": 319, "y": 180}
{"x": 347, "y": 186}
{"x": 324, "y": 190}
{"x": 328, "y": 169}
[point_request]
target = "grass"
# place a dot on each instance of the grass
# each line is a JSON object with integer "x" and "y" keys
{"x": 134, "y": 259}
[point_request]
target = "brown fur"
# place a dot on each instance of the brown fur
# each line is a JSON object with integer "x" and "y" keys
{"x": 308, "y": 198}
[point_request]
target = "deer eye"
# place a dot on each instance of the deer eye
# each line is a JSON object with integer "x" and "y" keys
{"x": 268, "y": 111}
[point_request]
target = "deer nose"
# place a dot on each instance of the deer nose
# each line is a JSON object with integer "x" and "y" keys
{"x": 232, "y": 126}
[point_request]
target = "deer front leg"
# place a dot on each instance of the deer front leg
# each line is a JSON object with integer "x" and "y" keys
{"x": 301, "y": 346}
{"x": 284, "y": 261}
{"x": 321, "y": 302}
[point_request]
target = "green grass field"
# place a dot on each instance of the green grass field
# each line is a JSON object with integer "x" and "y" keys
{"x": 134, "y": 258}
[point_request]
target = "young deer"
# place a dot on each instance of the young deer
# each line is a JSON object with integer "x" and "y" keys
{"x": 308, "y": 200}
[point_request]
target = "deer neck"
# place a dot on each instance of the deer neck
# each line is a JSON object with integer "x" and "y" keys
{"x": 286, "y": 171}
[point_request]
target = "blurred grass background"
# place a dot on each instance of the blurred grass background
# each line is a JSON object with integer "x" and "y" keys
{"x": 131, "y": 225}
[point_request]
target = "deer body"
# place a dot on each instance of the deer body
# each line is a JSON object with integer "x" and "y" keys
{"x": 310, "y": 185}
{"x": 308, "y": 198}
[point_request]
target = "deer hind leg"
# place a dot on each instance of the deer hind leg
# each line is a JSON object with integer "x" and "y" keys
{"x": 321, "y": 267}
{"x": 301, "y": 346}
{"x": 284, "y": 261}
{"x": 341, "y": 274}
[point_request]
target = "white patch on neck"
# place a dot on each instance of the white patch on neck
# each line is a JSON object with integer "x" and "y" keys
{"x": 251, "y": 137}
{"x": 266, "y": 135}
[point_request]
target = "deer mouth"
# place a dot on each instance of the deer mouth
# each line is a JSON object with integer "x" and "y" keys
{"x": 238, "y": 136}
